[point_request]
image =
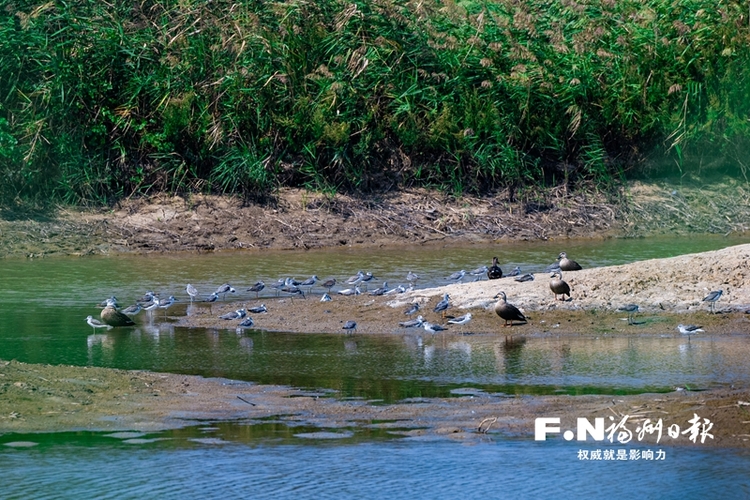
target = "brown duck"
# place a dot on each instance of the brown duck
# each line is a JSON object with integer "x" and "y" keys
{"x": 558, "y": 286}
{"x": 494, "y": 272}
{"x": 566, "y": 264}
{"x": 508, "y": 312}
{"x": 111, "y": 316}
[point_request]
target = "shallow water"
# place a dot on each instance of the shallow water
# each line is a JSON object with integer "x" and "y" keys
{"x": 293, "y": 467}
{"x": 42, "y": 313}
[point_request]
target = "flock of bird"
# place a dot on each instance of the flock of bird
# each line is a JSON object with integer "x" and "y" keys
{"x": 114, "y": 316}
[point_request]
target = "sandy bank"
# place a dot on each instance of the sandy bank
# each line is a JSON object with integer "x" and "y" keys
{"x": 668, "y": 291}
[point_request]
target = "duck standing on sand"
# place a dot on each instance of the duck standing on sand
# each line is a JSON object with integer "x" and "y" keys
{"x": 558, "y": 286}
{"x": 508, "y": 312}
{"x": 112, "y": 317}
{"x": 566, "y": 264}
{"x": 494, "y": 272}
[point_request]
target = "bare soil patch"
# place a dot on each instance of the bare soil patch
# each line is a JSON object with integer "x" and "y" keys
{"x": 299, "y": 219}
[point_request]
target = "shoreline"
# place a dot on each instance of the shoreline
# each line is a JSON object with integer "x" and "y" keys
{"x": 108, "y": 400}
{"x": 300, "y": 220}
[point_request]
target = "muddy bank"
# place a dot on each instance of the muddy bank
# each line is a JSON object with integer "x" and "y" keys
{"x": 43, "y": 398}
{"x": 299, "y": 219}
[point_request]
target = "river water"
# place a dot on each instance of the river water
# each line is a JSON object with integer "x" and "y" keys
{"x": 42, "y": 311}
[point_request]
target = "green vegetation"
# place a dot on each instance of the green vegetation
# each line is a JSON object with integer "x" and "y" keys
{"x": 103, "y": 100}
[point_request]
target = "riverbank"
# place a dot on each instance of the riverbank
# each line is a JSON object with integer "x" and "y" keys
{"x": 299, "y": 219}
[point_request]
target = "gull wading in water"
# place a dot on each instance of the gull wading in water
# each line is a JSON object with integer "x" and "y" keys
{"x": 432, "y": 328}
{"x": 191, "y": 291}
{"x": 689, "y": 330}
{"x": 95, "y": 323}
{"x": 461, "y": 320}
{"x": 257, "y": 288}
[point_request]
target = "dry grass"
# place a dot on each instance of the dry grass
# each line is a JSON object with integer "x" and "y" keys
{"x": 721, "y": 207}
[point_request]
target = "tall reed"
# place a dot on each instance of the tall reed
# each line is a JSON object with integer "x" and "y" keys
{"x": 104, "y": 100}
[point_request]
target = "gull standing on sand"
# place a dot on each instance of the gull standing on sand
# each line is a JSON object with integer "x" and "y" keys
{"x": 412, "y": 322}
{"x": 350, "y": 326}
{"x": 443, "y": 305}
{"x": 258, "y": 309}
{"x": 711, "y": 298}
{"x": 326, "y": 298}
{"x": 631, "y": 309}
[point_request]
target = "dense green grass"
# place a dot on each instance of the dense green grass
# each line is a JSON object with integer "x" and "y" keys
{"x": 100, "y": 101}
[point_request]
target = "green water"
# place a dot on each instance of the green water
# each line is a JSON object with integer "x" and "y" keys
{"x": 45, "y": 302}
